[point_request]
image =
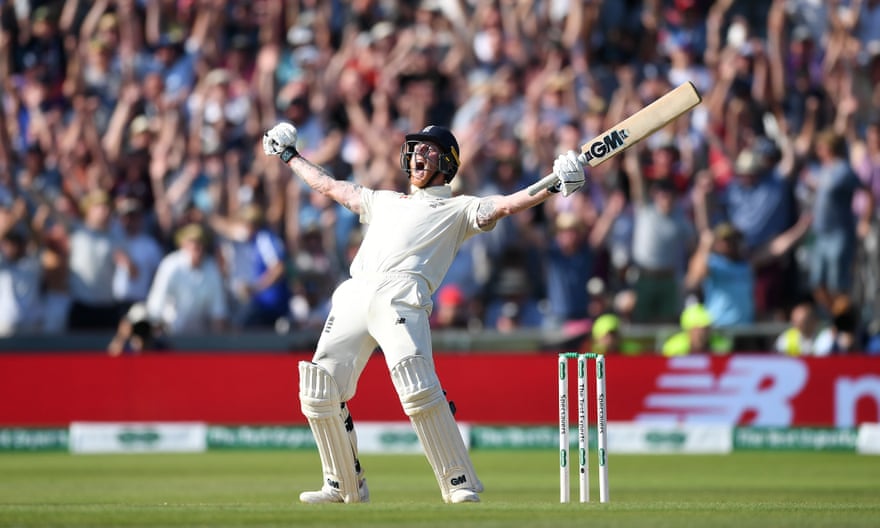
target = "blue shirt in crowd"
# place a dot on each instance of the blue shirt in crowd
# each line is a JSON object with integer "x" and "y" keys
{"x": 729, "y": 291}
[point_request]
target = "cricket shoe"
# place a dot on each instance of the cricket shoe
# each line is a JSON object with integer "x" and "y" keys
{"x": 463, "y": 495}
{"x": 327, "y": 495}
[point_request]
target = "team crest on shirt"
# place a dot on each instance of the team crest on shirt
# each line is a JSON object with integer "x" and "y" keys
{"x": 433, "y": 204}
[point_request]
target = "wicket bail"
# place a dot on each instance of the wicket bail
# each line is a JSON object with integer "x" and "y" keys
{"x": 583, "y": 427}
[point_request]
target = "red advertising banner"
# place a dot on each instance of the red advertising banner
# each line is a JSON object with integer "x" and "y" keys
{"x": 489, "y": 388}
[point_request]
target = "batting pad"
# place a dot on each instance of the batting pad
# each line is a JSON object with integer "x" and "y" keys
{"x": 424, "y": 402}
{"x": 319, "y": 401}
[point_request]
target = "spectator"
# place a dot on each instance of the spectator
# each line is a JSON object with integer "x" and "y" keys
{"x": 865, "y": 156}
{"x": 606, "y": 334}
{"x": 20, "y": 276}
{"x": 722, "y": 269}
{"x": 264, "y": 292}
{"x": 569, "y": 265}
{"x": 662, "y": 237}
{"x": 800, "y": 338}
{"x": 162, "y": 101}
{"x": 844, "y": 334}
{"x": 605, "y": 337}
{"x": 136, "y": 334}
{"x": 95, "y": 253}
{"x": 132, "y": 284}
{"x": 187, "y": 294}
{"x": 832, "y": 184}
{"x": 872, "y": 346}
{"x": 696, "y": 335}
{"x": 451, "y": 310}
{"x": 513, "y": 304}
{"x": 759, "y": 203}
{"x": 315, "y": 272}
{"x": 719, "y": 267}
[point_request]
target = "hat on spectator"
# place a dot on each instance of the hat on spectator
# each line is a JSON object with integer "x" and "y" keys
{"x": 726, "y": 231}
{"x": 560, "y": 81}
{"x": 107, "y": 21}
{"x": 695, "y": 316}
{"x": 42, "y": 14}
{"x": 381, "y": 30}
{"x": 251, "y": 213}
{"x": 217, "y": 76}
{"x": 596, "y": 104}
{"x": 431, "y": 5}
{"x": 139, "y": 124}
{"x": 568, "y": 220}
{"x": 191, "y": 233}
{"x": 137, "y": 313}
{"x": 170, "y": 39}
{"x": 604, "y": 325}
{"x": 747, "y": 163}
{"x": 93, "y": 198}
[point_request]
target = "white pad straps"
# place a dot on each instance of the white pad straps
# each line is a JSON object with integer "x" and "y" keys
{"x": 319, "y": 401}
{"x": 424, "y": 402}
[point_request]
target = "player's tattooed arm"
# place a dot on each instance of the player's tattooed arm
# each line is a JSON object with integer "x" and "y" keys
{"x": 493, "y": 208}
{"x": 318, "y": 178}
{"x": 486, "y": 212}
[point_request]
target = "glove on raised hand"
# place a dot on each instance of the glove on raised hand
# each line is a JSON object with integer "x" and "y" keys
{"x": 570, "y": 173}
{"x": 280, "y": 140}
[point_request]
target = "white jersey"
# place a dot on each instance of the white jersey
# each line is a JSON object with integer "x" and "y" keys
{"x": 419, "y": 233}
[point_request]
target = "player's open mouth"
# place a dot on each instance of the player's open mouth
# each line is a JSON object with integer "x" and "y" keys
{"x": 420, "y": 165}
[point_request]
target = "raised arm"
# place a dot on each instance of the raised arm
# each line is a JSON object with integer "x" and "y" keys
{"x": 495, "y": 207}
{"x": 570, "y": 178}
{"x": 318, "y": 178}
{"x": 281, "y": 141}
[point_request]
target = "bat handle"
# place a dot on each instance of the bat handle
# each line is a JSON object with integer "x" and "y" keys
{"x": 550, "y": 179}
{"x": 545, "y": 182}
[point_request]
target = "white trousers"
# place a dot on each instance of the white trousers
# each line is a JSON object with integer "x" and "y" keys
{"x": 390, "y": 310}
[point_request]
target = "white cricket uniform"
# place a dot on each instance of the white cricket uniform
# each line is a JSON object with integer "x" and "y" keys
{"x": 407, "y": 250}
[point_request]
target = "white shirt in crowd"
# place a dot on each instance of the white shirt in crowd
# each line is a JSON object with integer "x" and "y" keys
{"x": 186, "y": 299}
{"x": 19, "y": 295}
{"x": 92, "y": 265}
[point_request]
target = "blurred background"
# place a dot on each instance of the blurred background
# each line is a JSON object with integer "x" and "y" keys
{"x": 138, "y": 213}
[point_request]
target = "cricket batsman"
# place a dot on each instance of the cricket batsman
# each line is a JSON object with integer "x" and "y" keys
{"x": 409, "y": 244}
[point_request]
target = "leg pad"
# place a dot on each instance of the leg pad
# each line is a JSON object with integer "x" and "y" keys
{"x": 319, "y": 401}
{"x": 424, "y": 402}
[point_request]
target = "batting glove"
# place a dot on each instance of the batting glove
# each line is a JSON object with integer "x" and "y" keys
{"x": 570, "y": 173}
{"x": 281, "y": 141}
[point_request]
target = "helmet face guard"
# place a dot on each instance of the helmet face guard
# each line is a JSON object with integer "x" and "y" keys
{"x": 449, "y": 160}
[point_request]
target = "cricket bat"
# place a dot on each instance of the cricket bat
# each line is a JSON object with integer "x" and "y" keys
{"x": 631, "y": 130}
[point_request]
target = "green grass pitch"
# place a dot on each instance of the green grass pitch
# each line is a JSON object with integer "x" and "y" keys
{"x": 260, "y": 488}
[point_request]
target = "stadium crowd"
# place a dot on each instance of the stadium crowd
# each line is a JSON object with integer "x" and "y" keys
{"x": 133, "y": 187}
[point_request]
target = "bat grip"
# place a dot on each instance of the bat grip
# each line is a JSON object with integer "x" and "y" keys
{"x": 543, "y": 183}
{"x": 550, "y": 179}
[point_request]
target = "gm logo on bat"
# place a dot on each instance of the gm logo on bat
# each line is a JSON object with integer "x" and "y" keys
{"x": 607, "y": 144}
